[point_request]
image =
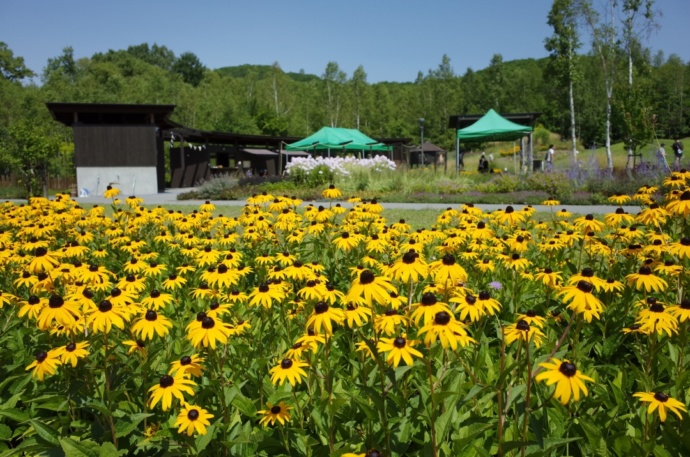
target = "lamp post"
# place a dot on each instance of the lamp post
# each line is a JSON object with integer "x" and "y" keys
{"x": 421, "y": 136}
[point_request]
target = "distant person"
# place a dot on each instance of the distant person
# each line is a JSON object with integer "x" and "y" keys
{"x": 661, "y": 158}
{"x": 483, "y": 164}
{"x": 677, "y": 147}
{"x": 461, "y": 160}
{"x": 248, "y": 173}
{"x": 491, "y": 158}
{"x": 549, "y": 158}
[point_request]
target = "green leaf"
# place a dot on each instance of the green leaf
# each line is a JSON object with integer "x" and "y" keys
{"x": 109, "y": 450}
{"x": 79, "y": 449}
{"x": 14, "y": 414}
{"x": 125, "y": 427}
{"x": 202, "y": 441}
{"x": 46, "y": 432}
{"x": 5, "y": 432}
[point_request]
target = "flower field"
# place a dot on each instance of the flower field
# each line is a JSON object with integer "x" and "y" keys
{"x": 326, "y": 331}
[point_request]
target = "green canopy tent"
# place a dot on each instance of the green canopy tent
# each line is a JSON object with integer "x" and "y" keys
{"x": 491, "y": 127}
{"x": 337, "y": 139}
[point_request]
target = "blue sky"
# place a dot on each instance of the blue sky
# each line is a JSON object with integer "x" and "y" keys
{"x": 392, "y": 40}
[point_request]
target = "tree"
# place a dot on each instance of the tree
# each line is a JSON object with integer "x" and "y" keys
{"x": 359, "y": 89}
{"x": 27, "y": 150}
{"x": 65, "y": 65}
{"x": 333, "y": 81}
{"x": 562, "y": 46}
{"x": 190, "y": 68}
{"x": 12, "y": 68}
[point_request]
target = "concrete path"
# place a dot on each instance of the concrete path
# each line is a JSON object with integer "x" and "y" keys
{"x": 169, "y": 198}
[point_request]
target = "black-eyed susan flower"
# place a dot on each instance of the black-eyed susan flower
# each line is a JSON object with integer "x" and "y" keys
{"x": 289, "y": 370}
{"x": 169, "y": 387}
{"x": 151, "y": 323}
{"x": 549, "y": 278}
{"x": 410, "y": 267}
{"x": 523, "y": 331}
{"x": 135, "y": 346}
{"x": 207, "y": 332}
{"x": 111, "y": 192}
{"x": 446, "y": 329}
{"x": 264, "y": 295}
{"x": 58, "y": 310}
{"x": 31, "y": 307}
{"x": 581, "y": 300}
{"x": 551, "y": 202}
{"x": 680, "y": 206}
{"x": 324, "y": 316}
{"x": 105, "y": 316}
{"x": 388, "y": 322}
{"x": 427, "y": 308}
{"x": 46, "y": 363}
{"x": 72, "y": 352}
{"x": 398, "y": 349}
{"x": 682, "y": 311}
{"x": 370, "y": 287}
{"x": 187, "y": 364}
{"x": 356, "y": 315}
{"x": 192, "y": 419}
{"x": 446, "y": 270}
{"x": 681, "y": 248}
{"x": 275, "y": 413}
{"x": 660, "y": 402}
{"x": 174, "y": 282}
{"x": 332, "y": 192}
{"x": 657, "y": 319}
{"x": 43, "y": 261}
{"x": 644, "y": 279}
{"x": 568, "y": 379}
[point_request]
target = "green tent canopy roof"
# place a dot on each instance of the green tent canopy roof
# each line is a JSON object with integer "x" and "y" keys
{"x": 337, "y": 138}
{"x": 493, "y": 127}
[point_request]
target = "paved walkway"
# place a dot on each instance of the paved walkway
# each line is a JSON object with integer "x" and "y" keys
{"x": 169, "y": 198}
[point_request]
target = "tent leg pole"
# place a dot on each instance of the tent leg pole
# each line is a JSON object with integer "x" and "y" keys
{"x": 457, "y": 154}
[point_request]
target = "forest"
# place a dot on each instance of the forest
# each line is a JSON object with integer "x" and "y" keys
{"x": 646, "y": 90}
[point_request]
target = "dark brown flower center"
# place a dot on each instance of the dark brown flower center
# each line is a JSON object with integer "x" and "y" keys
{"x": 321, "y": 307}
{"x": 522, "y": 325}
{"x": 286, "y": 364}
{"x": 263, "y": 288}
{"x": 166, "y": 381}
{"x": 105, "y": 306}
{"x": 409, "y": 257}
{"x": 429, "y": 299}
{"x": 442, "y": 318}
{"x": 366, "y": 277}
{"x": 484, "y": 295}
{"x": 585, "y": 286}
{"x": 41, "y": 356}
{"x": 275, "y": 409}
{"x": 399, "y": 342}
{"x": 449, "y": 259}
{"x": 660, "y": 396}
{"x": 55, "y": 301}
{"x": 151, "y": 315}
{"x": 208, "y": 323}
{"x": 568, "y": 369}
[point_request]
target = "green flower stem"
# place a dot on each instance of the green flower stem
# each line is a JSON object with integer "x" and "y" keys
{"x": 527, "y": 400}
{"x": 106, "y": 389}
{"x": 432, "y": 413}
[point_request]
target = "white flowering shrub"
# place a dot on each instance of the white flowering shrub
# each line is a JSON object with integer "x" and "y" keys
{"x": 322, "y": 170}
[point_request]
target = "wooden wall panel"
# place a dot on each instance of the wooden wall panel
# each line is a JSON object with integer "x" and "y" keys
{"x": 115, "y": 146}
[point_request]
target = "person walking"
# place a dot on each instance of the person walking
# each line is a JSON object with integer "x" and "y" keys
{"x": 549, "y": 158}
{"x": 677, "y": 147}
{"x": 661, "y": 158}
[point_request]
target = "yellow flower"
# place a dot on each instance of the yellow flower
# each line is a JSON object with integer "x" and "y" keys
{"x": 288, "y": 370}
{"x": 169, "y": 387}
{"x": 568, "y": 379}
{"x": 46, "y": 363}
{"x": 72, "y": 352}
{"x": 447, "y": 330}
{"x": 192, "y": 419}
{"x": 332, "y": 192}
{"x": 644, "y": 279}
{"x": 523, "y": 331}
{"x": 661, "y": 402}
{"x": 397, "y": 349}
{"x": 151, "y": 323}
{"x": 324, "y": 316}
{"x": 111, "y": 192}
{"x": 275, "y": 413}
